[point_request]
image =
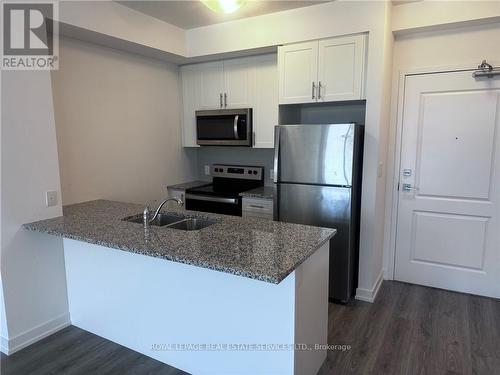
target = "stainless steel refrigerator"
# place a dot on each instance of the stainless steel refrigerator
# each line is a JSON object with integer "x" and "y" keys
{"x": 317, "y": 175}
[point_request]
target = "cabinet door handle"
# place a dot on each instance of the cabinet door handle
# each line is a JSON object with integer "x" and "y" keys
{"x": 225, "y": 100}
{"x": 313, "y": 94}
{"x": 319, "y": 90}
{"x": 220, "y": 99}
{"x": 255, "y": 206}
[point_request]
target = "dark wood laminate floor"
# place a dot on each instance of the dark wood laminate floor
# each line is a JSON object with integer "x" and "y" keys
{"x": 73, "y": 351}
{"x": 410, "y": 329}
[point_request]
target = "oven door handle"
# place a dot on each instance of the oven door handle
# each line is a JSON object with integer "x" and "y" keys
{"x": 212, "y": 199}
{"x": 235, "y": 127}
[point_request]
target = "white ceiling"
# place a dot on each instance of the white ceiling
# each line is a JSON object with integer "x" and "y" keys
{"x": 189, "y": 14}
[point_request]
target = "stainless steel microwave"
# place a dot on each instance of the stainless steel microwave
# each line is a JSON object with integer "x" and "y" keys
{"x": 224, "y": 127}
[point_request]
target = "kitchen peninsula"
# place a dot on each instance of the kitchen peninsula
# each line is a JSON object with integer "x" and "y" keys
{"x": 241, "y": 295}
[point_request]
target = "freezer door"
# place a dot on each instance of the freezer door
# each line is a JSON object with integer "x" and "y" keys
{"x": 324, "y": 206}
{"x": 315, "y": 154}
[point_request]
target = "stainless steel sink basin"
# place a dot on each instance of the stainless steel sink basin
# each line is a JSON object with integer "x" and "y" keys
{"x": 192, "y": 224}
{"x": 174, "y": 222}
{"x": 160, "y": 221}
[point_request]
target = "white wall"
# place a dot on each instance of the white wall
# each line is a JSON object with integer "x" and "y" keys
{"x": 433, "y": 15}
{"x": 4, "y": 332}
{"x": 109, "y": 18}
{"x": 460, "y": 48}
{"x": 118, "y": 125}
{"x": 32, "y": 265}
{"x": 308, "y": 23}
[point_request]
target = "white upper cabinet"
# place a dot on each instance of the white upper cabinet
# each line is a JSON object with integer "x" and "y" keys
{"x": 211, "y": 84}
{"x": 265, "y": 104}
{"x": 225, "y": 84}
{"x": 322, "y": 71}
{"x": 239, "y": 79}
{"x": 341, "y": 68}
{"x": 190, "y": 79}
{"x": 298, "y": 72}
{"x": 250, "y": 82}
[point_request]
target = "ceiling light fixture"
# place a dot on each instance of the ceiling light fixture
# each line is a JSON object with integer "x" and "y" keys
{"x": 223, "y": 6}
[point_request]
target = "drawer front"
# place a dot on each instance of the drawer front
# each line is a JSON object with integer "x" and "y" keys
{"x": 255, "y": 204}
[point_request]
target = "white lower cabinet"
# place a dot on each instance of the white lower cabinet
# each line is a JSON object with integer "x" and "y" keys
{"x": 257, "y": 207}
{"x": 237, "y": 83}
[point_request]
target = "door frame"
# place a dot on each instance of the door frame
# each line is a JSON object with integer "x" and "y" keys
{"x": 394, "y": 154}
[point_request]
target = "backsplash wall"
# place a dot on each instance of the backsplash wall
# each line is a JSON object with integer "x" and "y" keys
{"x": 236, "y": 155}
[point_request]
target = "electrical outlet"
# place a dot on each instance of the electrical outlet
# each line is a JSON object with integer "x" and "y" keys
{"x": 51, "y": 198}
{"x": 207, "y": 170}
{"x": 271, "y": 174}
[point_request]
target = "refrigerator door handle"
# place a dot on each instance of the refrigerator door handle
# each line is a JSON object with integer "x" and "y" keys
{"x": 276, "y": 152}
{"x": 276, "y": 205}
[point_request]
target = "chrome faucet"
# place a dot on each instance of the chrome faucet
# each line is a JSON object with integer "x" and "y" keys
{"x": 147, "y": 211}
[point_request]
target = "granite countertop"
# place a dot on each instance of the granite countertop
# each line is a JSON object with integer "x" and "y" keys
{"x": 263, "y": 192}
{"x": 249, "y": 247}
{"x": 189, "y": 185}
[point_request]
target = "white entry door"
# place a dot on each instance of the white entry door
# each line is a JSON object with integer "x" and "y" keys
{"x": 448, "y": 230}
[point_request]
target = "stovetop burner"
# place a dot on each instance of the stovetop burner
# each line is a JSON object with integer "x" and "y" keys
{"x": 222, "y": 195}
{"x": 231, "y": 180}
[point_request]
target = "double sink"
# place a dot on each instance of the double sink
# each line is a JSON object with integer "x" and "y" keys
{"x": 174, "y": 222}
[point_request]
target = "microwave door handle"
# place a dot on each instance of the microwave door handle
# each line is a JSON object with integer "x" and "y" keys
{"x": 235, "y": 127}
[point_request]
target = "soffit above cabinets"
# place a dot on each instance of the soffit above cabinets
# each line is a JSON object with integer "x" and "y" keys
{"x": 190, "y": 14}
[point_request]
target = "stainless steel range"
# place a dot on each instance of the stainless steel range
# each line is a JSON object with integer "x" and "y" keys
{"x": 222, "y": 195}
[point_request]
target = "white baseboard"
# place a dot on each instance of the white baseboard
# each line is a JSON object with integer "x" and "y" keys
{"x": 9, "y": 346}
{"x": 369, "y": 295}
{"x": 4, "y": 345}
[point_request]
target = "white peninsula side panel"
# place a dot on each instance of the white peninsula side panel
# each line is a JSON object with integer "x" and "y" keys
{"x": 150, "y": 305}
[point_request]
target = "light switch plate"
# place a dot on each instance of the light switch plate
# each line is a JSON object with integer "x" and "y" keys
{"x": 51, "y": 198}
{"x": 207, "y": 170}
{"x": 380, "y": 169}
